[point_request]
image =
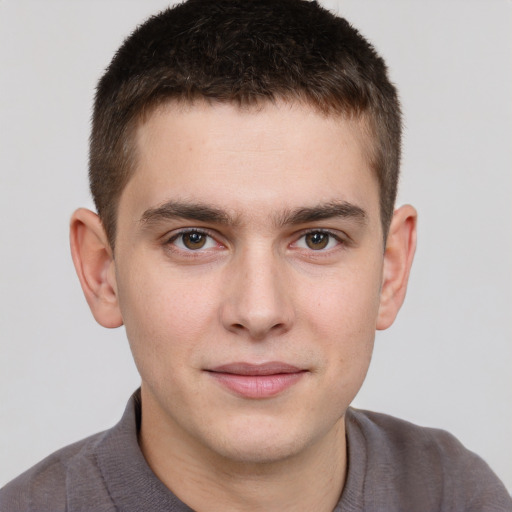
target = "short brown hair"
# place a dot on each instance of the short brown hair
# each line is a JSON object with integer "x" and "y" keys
{"x": 245, "y": 52}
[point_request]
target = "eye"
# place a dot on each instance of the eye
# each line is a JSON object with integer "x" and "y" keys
{"x": 193, "y": 240}
{"x": 317, "y": 241}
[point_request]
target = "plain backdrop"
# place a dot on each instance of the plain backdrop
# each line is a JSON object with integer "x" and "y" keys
{"x": 447, "y": 362}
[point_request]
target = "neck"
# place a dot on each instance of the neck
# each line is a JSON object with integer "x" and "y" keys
{"x": 310, "y": 480}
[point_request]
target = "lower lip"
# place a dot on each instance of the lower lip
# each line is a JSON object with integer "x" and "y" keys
{"x": 257, "y": 386}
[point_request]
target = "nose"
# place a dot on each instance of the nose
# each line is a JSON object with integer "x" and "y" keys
{"x": 258, "y": 296}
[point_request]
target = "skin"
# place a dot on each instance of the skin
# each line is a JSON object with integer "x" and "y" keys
{"x": 263, "y": 189}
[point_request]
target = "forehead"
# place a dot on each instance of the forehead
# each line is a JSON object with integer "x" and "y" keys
{"x": 262, "y": 157}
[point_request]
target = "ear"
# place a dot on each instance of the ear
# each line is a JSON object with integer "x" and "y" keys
{"x": 398, "y": 256}
{"x": 94, "y": 264}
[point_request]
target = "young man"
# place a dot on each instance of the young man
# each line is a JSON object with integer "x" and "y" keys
{"x": 244, "y": 161}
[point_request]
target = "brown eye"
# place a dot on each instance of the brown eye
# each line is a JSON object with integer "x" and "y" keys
{"x": 317, "y": 241}
{"x": 194, "y": 240}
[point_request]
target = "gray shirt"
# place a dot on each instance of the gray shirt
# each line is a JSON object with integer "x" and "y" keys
{"x": 392, "y": 466}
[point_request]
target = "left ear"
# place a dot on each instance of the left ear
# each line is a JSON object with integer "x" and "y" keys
{"x": 398, "y": 256}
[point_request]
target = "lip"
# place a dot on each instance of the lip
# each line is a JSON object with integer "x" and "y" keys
{"x": 257, "y": 381}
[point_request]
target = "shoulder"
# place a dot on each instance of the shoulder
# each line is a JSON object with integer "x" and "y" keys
{"x": 407, "y": 437}
{"x": 425, "y": 464}
{"x": 43, "y": 487}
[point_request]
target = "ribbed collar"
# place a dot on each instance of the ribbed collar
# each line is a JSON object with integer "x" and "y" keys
{"x": 131, "y": 483}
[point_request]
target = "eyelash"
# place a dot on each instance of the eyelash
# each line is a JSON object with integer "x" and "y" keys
{"x": 332, "y": 236}
{"x": 190, "y": 252}
{"x": 181, "y": 233}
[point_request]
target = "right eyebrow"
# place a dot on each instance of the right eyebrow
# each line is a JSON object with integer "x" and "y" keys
{"x": 185, "y": 210}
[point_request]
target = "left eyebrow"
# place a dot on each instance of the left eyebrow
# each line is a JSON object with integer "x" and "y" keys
{"x": 329, "y": 210}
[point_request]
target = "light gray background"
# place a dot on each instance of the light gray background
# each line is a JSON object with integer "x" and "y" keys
{"x": 446, "y": 362}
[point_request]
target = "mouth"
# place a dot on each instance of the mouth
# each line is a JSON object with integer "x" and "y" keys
{"x": 257, "y": 381}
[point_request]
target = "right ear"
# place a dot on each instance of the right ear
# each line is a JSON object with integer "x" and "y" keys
{"x": 95, "y": 266}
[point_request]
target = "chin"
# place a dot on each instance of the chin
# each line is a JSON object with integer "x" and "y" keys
{"x": 263, "y": 443}
{"x": 260, "y": 452}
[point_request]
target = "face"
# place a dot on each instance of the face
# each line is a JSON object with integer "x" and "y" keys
{"x": 248, "y": 271}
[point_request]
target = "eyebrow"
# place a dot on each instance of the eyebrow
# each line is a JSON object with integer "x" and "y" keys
{"x": 184, "y": 210}
{"x": 333, "y": 209}
{"x": 210, "y": 214}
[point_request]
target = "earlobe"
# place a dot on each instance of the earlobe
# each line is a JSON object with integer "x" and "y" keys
{"x": 94, "y": 264}
{"x": 398, "y": 256}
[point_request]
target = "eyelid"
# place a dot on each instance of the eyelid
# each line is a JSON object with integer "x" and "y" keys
{"x": 340, "y": 239}
{"x": 171, "y": 238}
{"x": 183, "y": 231}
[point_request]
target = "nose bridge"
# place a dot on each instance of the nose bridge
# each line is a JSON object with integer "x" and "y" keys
{"x": 258, "y": 298}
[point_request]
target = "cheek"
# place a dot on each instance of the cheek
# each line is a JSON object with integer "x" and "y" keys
{"x": 346, "y": 305}
{"x": 165, "y": 317}
{"x": 343, "y": 316}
